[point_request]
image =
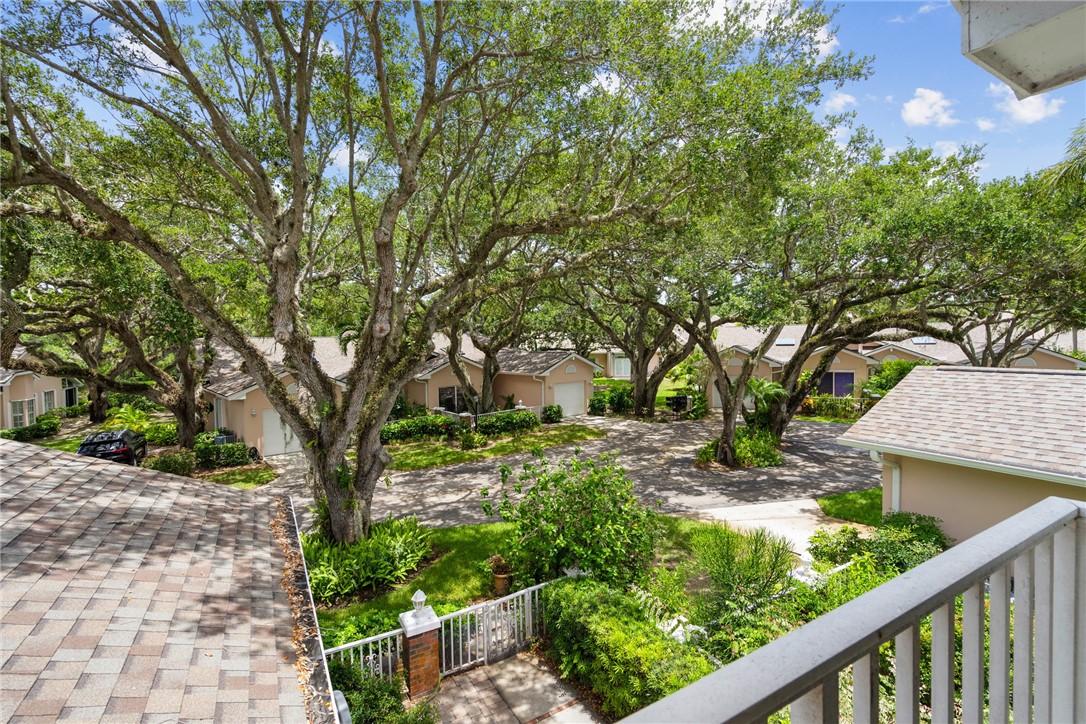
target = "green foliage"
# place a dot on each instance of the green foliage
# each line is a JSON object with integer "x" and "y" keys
{"x": 763, "y": 393}
{"x": 375, "y": 700}
{"x": 756, "y": 448}
{"x": 507, "y": 423}
{"x": 77, "y": 410}
{"x": 44, "y": 426}
{"x": 597, "y": 403}
{"x": 862, "y": 506}
{"x": 578, "y": 512}
{"x": 470, "y": 440}
{"x": 707, "y": 452}
{"x": 161, "y": 433}
{"x": 419, "y": 428}
{"x": 888, "y": 374}
{"x": 808, "y": 602}
{"x": 699, "y": 404}
{"x": 210, "y": 455}
{"x": 403, "y": 409}
{"x": 904, "y": 540}
{"x": 127, "y": 417}
{"x": 394, "y": 550}
{"x": 843, "y": 408}
{"x": 600, "y": 637}
{"x": 182, "y": 462}
{"x": 138, "y": 402}
{"x": 620, "y": 397}
{"x": 745, "y": 570}
{"x": 551, "y": 414}
{"x": 836, "y": 547}
{"x": 692, "y": 373}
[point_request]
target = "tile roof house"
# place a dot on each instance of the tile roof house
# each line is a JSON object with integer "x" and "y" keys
{"x": 973, "y": 446}
{"x": 128, "y": 594}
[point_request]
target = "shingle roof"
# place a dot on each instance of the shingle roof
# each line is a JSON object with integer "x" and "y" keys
{"x": 130, "y": 593}
{"x": 6, "y": 375}
{"x": 1016, "y": 418}
{"x": 227, "y": 376}
{"x": 748, "y": 338}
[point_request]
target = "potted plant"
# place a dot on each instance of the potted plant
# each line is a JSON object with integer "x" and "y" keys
{"x": 500, "y": 569}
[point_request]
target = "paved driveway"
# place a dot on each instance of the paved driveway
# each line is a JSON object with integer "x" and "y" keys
{"x": 657, "y": 456}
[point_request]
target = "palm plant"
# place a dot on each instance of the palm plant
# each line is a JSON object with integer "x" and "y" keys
{"x": 762, "y": 393}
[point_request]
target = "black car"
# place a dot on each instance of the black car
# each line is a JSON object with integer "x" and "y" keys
{"x": 119, "y": 446}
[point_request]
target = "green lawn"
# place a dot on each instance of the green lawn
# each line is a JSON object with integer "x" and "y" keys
{"x": 66, "y": 444}
{"x": 667, "y": 389}
{"x": 864, "y": 506}
{"x": 454, "y": 581}
{"x": 245, "y": 478}
{"x": 436, "y": 453}
{"x": 826, "y": 418}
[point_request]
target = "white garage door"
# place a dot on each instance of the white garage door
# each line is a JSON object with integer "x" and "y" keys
{"x": 278, "y": 437}
{"x": 570, "y": 395}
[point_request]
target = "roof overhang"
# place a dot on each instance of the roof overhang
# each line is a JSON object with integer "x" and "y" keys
{"x": 1049, "y": 476}
{"x": 1031, "y": 46}
{"x": 892, "y": 345}
{"x": 595, "y": 367}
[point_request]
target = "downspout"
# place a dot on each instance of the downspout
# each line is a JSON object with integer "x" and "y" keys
{"x": 895, "y": 479}
{"x": 542, "y": 391}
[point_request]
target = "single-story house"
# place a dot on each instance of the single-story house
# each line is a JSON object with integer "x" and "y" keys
{"x": 941, "y": 352}
{"x": 25, "y": 395}
{"x": 530, "y": 378}
{"x": 973, "y": 446}
{"x": 136, "y": 595}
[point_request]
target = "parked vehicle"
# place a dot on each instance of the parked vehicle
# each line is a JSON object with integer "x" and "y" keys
{"x": 118, "y": 446}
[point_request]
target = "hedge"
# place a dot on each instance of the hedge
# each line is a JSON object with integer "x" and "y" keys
{"x": 210, "y": 455}
{"x": 552, "y": 414}
{"x": 79, "y": 410}
{"x": 182, "y": 462}
{"x": 45, "y": 426}
{"x": 597, "y": 403}
{"x": 506, "y": 423}
{"x": 418, "y": 428}
{"x": 600, "y": 636}
{"x": 161, "y": 433}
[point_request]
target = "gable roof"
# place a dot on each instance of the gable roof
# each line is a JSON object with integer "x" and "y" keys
{"x": 7, "y": 375}
{"x": 1022, "y": 421}
{"x": 748, "y": 338}
{"x": 141, "y": 592}
{"x": 228, "y": 378}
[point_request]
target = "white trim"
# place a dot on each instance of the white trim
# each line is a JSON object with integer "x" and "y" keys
{"x": 906, "y": 350}
{"x": 1079, "y": 364}
{"x": 550, "y": 369}
{"x": 431, "y": 373}
{"x": 966, "y": 462}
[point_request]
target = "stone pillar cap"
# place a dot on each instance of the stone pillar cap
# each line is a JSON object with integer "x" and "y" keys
{"x": 418, "y": 622}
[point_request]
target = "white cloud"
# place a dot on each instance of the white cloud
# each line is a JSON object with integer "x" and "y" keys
{"x": 826, "y": 43}
{"x": 889, "y": 99}
{"x": 928, "y": 107}
{"x": 839, "y": 102}
{"x": 330, "y": 48}
{"x": 1029, "y": 110}
{"x": 928, "y": 7}
{"x": 946, "y": 148}
{"x": 985, "y": 124}
{"x": 898, "y": 20}
{"x": 143, "y": 54}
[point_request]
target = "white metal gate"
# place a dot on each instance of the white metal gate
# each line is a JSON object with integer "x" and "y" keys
{"x": 490, "y": 631}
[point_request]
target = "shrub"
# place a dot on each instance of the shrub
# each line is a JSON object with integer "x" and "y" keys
{"x": 161, "y": 433}
{"x": 597, "y": 403}
{"x": 77, "y": 410}
{"x": 552, "y": 414}
{"x": 757, "y": 448}
{"x": 210, "y": 455}
{"x": 375, "y": 700}
{"x": 707, "y": 452}
{"x": 699, "y": 404}
{"x": 394, "y": 550}
{"x": 888, "y": 374}
{"x": 471, "y": 440}
{"x": 418, "y": 428}
{"x": 620, "y": 397}
{"x": 46, "y": 425}
{"x": 837, "y": 547}
{"x": 127, "y": 417}
{"x": 904, "y": 540}
{"x": 125, "y": 399}
{"x": 182, "y": 462}
{"x": 600, "y": 637}
{"x": 578, "y": 512}
{"x": 506, "y": 423}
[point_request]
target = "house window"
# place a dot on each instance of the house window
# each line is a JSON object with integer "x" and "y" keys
{"x": 48, "y": 400}
{"x": 621, "y": 367}
{"x": 838, "y": 384}
{"x": 571, "y": 369}
{"x": 71, "y": 392}
{"x": 452, "y": 399}
{"x": 22, "y": 413}
{"x": 1025, "y": 362}
{"x": 890, "y": 358}
{"x": 216, "y": 407}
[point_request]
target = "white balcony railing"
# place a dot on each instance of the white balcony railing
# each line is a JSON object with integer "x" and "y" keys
{"x": 1031, "y": 568}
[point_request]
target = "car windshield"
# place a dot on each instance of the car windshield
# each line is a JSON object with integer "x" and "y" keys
{"x": 101, "y": 437}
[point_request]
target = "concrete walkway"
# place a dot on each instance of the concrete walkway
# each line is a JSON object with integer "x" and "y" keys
{"x": 517, "y": 690}
{"x": 658, "y": 457}
{"x": 795, "y": 520}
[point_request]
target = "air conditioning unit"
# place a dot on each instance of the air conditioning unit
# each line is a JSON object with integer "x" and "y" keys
{"x": 225, "y": 439}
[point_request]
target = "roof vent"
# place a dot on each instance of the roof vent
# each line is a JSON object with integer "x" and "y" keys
{"x": 786, "y": 342}
{"x": 923, "y": 340}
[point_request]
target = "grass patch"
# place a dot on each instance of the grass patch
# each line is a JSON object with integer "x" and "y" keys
{"x": 667, "y": 389}
{"x": 244, "y": 478}
{"x": 863, "y": 506}
{"x": 431, "y": 454}
{"x": 456, "y": 578}
{"x": 827, "y": 418}
{"x": 65, "y": 444}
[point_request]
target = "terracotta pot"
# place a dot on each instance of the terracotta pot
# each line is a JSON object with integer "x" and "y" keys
{"x": 501, "y": 583}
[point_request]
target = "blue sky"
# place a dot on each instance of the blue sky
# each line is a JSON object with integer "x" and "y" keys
{"x": 924, "y": 89}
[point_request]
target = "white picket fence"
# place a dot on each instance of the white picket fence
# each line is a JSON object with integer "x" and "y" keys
{"x": 480, "y": 634}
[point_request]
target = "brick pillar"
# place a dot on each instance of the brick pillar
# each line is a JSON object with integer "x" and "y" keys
{"x": 421, "y": 660}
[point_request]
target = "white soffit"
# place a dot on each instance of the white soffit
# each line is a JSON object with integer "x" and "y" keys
{"x": 1031, "y": 45}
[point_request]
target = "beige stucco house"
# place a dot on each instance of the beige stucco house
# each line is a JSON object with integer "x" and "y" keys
{"x": 24, "y": 396}
{"x": 973, "y": 446}
{"x": 532, "y": 378}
